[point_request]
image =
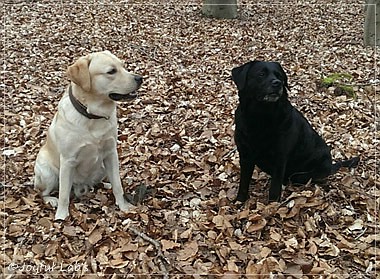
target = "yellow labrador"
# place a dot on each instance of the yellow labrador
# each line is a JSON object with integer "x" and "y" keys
{"x": 80, "y": 149}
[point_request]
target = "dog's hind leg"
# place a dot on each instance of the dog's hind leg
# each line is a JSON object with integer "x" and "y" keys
{"x": 351, "y": 163}
{"x": 46, "y": 181}
{"x": 317, "y": 175}
{"x": 300, "y": 178}
{"x": 81, "y": 189}
{"x": 53, "y": 201}
{"x": 107, "y": 185}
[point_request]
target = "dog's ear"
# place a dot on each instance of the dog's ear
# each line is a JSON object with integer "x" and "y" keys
{"x": 79, "y": 73}
{"x": 239, "y": 74}
{"x": 285, "y": 77}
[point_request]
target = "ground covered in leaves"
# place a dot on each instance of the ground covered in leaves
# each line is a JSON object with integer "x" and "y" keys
{"x": 176, "y": 140}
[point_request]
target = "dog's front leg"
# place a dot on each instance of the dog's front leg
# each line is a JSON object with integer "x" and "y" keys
{"x": 277, "y": 179}
{"x": 66, "y": 170}
{"x": 111, "y": 163}
{"x": 246, "y": 171}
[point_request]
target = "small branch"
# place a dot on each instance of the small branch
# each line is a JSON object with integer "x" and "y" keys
{"x": 339, "y": 43}
{"x": 151, "y": 54}
{"x": 361, "y": 84}
{"x": 160, "y": 256}
{"x": 229, "y": 153}
{"x": 361, "y": 234}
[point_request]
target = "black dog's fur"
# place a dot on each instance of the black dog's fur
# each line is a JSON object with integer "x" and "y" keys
{"x": 275, "y": 136}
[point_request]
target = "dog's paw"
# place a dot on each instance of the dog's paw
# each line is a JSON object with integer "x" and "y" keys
{"x": 80, "y": 190}
{"x": 125, "y": 206}
{"x": 274, "y": 198}
{"x": 241, "y": 198}
{"x": 53, "y": 201}
{"x": 107, "y": 185}
{"x": 61, "y": 214}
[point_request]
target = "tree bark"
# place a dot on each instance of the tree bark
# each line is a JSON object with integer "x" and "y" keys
{"x": 372, "y": 23}
{"x": 220, "y": 8}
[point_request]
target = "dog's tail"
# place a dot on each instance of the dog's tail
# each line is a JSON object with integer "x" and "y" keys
{"x": 351, "y": 163}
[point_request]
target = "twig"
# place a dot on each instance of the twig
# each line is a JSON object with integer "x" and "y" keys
{"x": 142, "y": 49}
{"x": 361, "y": 84}
{"x": 232, "y": 151}
{"x": 160, "y": 256}
{"x": 361, "y": 234}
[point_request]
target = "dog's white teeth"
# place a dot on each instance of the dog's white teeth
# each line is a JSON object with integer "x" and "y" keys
{"x": 271, "y": 98}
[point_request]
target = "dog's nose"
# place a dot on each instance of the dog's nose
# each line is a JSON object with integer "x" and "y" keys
{"x": 276, "y": 83}
{"x": 138, "y": 79}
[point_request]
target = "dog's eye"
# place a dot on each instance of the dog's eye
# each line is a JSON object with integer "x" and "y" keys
{"x": 112, "y": 71}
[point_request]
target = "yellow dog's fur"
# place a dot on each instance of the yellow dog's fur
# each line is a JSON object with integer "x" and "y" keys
{"x": 80, "y": 151}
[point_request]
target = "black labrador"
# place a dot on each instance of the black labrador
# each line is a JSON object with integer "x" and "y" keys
{"x": 274, "y": 135}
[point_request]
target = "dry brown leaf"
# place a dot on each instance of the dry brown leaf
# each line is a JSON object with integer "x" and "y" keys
{"x": 177, "y": 138}
{"x": 38, "y": 249}
{"x": 169, "y": 244}
{"x": 231, "y": 266}
{"x": 69, "y": 230}
{"x": 45, "y": 222}
{"x": 29, "y": 202}
{"x": 95, "y": 236}
{"x": 252, "y": 271}
{"x": 265, "y": 252}
{"x": 275, "y": 235}
{"x": 257, "y": 223}
{"x": 371, "y": 238}
{"x": 294, "y": 270}
{"x": 189, "y": 250}
{"x": 51, "y": 249}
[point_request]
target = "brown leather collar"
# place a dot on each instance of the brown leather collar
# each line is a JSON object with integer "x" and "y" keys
{"x": 81, "y": 108}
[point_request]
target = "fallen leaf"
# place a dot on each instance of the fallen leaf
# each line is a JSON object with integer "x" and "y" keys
{"x": 168, "y": 244}
{"x": 95, "y": 236}
{"x": 177, "y": 138}
{"x": 69, "y": 230}
{"x": 190, "y": 250}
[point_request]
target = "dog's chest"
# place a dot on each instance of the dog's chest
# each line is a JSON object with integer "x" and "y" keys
{"x": 97, "y": 143}
{"x": 259, "y": 133}
{"x": 260, "y": 138}
{"x": 90, "y": 158}
{"x": 101, "y": 131}
{"x": 94, "y": 144}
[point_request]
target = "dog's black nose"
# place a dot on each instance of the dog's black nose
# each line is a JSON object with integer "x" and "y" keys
{"x": 138, "y": 79}
{"x": 276, "y": 83}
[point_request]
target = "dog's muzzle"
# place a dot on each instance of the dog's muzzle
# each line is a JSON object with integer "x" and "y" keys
{"x": 273, "y": 97}
{"x": 129, "y": 96}
{"x": 274, "y": 93}
{"x": 123, "y": 97}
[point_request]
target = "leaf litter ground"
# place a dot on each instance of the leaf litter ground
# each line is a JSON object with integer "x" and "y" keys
{"x": 177, "y": 155}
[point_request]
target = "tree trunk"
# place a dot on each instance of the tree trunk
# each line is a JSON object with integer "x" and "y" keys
{"x": 220, "y": 8}
{"x": 372, "y": 23}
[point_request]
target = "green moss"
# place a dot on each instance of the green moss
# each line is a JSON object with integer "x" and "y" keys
{"x": 336, "y": 78}
{"x": 339, "y": 81}
{"x": 346, "y": 90}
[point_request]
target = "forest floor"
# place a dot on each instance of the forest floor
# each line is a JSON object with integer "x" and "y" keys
{"x": 176, "y": 139}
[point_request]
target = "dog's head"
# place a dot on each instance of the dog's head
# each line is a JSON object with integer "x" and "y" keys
{"x": 262, "y": 81}
{"x": 102, "y": 73}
